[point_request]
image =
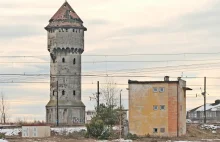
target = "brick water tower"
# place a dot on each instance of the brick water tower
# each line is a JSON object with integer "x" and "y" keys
{"x": 65, "y": 44}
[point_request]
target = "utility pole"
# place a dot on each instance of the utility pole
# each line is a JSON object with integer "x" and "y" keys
{"x": 204, "y": 99}
{"x": 57, "y": 107}
{"x": 120, "y": 116}
{"x": 98, "y": 97}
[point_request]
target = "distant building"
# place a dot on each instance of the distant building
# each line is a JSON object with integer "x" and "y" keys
{"x": 157, "y": 107}
{"x": 89, "y": 115}
{"x": 212, "y": 113}
{"x": 32, "y": 131}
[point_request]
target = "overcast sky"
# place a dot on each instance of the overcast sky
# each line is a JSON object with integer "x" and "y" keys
{"x": 114, "y": 27}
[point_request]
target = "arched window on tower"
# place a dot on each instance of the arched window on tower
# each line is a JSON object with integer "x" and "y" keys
{"x": 63, "y": 92}
{"x": 74, "y": 61}
{"x": 63, "y": 60}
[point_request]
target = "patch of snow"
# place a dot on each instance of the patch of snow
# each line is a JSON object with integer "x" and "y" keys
{"x": 188, "y": 121}
{"x": 214, "y": 132}
{"x": 67, "y": 130}
{"x": 10, "y": 132}
{"x": 208, "y": 107}
{"x": 210, "y": 127}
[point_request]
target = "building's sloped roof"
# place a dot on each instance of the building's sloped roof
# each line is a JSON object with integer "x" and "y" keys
{"x": 65, "y": 17}
{"x": 53, "y": 103}
{"x": 212, "y": 107}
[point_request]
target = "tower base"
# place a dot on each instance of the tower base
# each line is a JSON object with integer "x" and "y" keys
{"x": 69, "y": 112}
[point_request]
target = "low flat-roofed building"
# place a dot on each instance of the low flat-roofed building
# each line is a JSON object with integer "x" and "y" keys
{"x": 157, "y": 107}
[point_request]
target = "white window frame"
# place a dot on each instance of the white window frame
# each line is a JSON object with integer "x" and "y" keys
{"x": 155, "y": 107}
{"x": 162, "y": 90}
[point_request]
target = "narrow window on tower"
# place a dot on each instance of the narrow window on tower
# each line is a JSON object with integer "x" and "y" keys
{"x": 63, "y": 60}
{"x": 73, "y": 30}
{"x": 74, "y": 92}
{"x": 63, "y": 92}
{"x": 74, "y": 61}
{"x": 53, "y": 92}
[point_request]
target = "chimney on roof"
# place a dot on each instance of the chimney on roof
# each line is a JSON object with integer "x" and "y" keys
{"x": 178, "y": 78}
{"x": 166, "y": 78}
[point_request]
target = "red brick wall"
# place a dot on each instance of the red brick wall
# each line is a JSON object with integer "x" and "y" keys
{"x": 172, "y": 110}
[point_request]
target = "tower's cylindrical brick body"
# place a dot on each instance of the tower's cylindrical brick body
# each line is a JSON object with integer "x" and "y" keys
{"x": 65, "y": 44}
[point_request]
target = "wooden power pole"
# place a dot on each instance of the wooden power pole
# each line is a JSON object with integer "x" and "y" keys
{"x": 98, "y": 97}
{"x": 120, "y": 117}
{"x": 204, "y": 99}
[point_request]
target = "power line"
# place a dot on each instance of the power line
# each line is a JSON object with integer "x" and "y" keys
{"x": 137, "y": 54}
{"x": 116, "y": 61}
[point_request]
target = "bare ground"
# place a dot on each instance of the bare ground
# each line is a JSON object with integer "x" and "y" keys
{"x": 193, "y": 134}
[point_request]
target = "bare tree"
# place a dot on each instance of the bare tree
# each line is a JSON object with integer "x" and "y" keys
{"x": 4, "y": 109}
{"x": 110, "y": 92}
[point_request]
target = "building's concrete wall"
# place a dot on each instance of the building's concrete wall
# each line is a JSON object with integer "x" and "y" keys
{"x": 142, "y": 117}
{"x": 67, "y": 115}
{"x": 182, "y": 107}
{"x": 177, "y": 109}
{"x": 61, "y": 38}
{"x": 35, "y": 131}
{"x": 65, "y": 47}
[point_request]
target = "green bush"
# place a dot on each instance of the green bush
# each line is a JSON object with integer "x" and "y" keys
{"x": 2, "y": 136}
{"x": 105, "y": 135}
{"x": 95, "y": 128}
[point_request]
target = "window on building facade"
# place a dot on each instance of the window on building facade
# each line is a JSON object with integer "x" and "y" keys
{"x": 53, "y": 93}
{"x": 63, "y": 60}
{"x": 194, "y": 114}
{"x": 155, "y": 89}
{"x": 66, "y": 30}
{"x": 214, "y": 114}
{"x": 161, "y": 89}
{"x": 74, "y": 92}
{"x": 162, "y": 107}
{"x": 63, "y": 92}
{"x": 155, "y": 130}
{"x": 155, "y": 107}
{"x": 74, "y": 61}
{"x": 162, "y": 130}
{"x": 73, "y": 30}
